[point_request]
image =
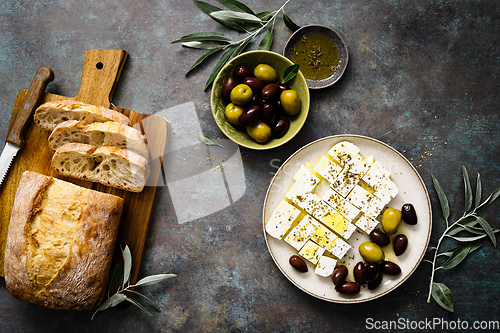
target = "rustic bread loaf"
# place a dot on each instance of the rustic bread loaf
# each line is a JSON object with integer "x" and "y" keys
{"x": 110, "y": 166}
{"x": 52, "y": 113}
{"x": 110, "y": 133}
{"x": 60, "y": 243}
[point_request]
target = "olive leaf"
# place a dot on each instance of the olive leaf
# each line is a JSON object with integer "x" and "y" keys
{"x": 493, "y": 196}
{"x": 473, "y": 247}
{"x": 442, "y": 295}
{"x": 478, "y": 191}
{"x": 210, "y": 36}
{"x": 208, "y": 140}
{"x": 456, "y": 257}
{"x": 236, "y": 6}
{"x": 208, "y": 9}
{"x": 203, "y": 57}
{"x": 468, "y": 190}
{"x": 467, "y": 231}
{"x": 206, "y": 45}
{"x": 289, "y": 23}
{"x": 232, "y": 16}
{"x": 290, "y": 72}
{"x": 125, "y": 286}
{"x": 442, "y": 198}
{"x": 487, "y": 228}
{"x": 267, "y": 40}
{"x": 239, "y": 17}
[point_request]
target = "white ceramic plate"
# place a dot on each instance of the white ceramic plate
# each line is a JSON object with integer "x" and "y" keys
{"x": 411, "y": 190}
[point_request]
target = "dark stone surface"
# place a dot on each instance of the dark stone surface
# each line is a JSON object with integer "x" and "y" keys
{"x": 423, "y": 77}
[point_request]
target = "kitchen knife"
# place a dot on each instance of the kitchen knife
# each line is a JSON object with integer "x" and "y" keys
{"x": 15, "y": 137}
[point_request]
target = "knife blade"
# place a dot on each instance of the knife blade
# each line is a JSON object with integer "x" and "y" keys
{"x": 15, "y": 138}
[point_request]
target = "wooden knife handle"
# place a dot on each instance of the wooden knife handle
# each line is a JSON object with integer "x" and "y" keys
{"x": 34, "y": 97}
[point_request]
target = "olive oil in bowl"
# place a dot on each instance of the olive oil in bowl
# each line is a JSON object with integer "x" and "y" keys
{"x": 320, "y": 52}
{"x": 317, "y": 55}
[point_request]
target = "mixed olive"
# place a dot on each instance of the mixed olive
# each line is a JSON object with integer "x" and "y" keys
{"x": 259, "y": 103}
{"x": 375, "y": 265}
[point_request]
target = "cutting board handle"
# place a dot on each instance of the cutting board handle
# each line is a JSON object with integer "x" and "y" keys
{"x": 101, "y": 71}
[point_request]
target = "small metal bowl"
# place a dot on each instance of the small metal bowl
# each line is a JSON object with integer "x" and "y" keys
{"x": 344, "y": 54}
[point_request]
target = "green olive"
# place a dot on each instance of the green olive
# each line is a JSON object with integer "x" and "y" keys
{"x": 241, "y": 94}
{"x": 391, "y": 220}
{"x": 290, "y": 102}
{"x": 260, "y": 131}
{"x": 233, "y": 112}
{"x": 265, "y": 73}
{"x": 371, "y": 252}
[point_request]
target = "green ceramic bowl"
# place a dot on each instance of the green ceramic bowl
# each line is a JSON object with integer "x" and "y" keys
{"x": 251, "y": 59}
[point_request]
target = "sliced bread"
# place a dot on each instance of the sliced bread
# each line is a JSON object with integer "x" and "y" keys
{"x": 110, "y": 133}
{"x": 50, "y": 114}
{"x": 111, "y": 166}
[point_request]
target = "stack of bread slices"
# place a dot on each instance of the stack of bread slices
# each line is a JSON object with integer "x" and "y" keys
{"x": 95, "y": 144}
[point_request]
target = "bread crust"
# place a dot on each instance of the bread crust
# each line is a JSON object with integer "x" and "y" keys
{"x": 52, "y": 113}
{"x": 80, "y": 282}
{"x": 110, "y": 133}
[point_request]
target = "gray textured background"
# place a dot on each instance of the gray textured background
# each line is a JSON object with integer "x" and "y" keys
{"x": 423, "y": 76}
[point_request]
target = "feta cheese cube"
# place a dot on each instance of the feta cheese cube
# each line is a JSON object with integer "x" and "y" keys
{"x": 281, "y": 219}
{"x": 366, "y": 224}
{"x": 306, "y": 178}
{"x": 376, "y": 175}
{"x": 323, "y": 237}
{"x": 391, "y": 187}
{"x": 344, "y": 153}
{"x": 339, "y": 248}
{"x": 374, "y": 207}
{"x": 384, "y": 195}
{"x": 327, "y": 169}
{"x": 344, "y": 207}
{"x": 325, "y": 266}
{"x": 311, "y": 251}
{"x": 297, "y": 194}
{"x": 345, "y": 182}
{"x": 302, "y": 232}
{"x": 351, "y": 228}
{"x": 359, "y": 197}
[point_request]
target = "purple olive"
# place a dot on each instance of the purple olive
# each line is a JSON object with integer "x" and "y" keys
{"x": 358, "y": 272}
{"x": 376, "y": 281}
{"x": 227, "y": 87}
{"x": 270, "y": 91}
{"x": 348, "y": 288}
{"x": 298, "y": 263}
{"x": 380, "y": 238}
{"x": 255, "y": 84}
{"x": 339, "y": 275}
{"x": 370, "y": 272}
{"x": 408, "y": 213}
{"x": 242, "y": 72}
{"x": 390, "y": 268}
{"x": 283, "y": 87}
{"x": 400, "y": 242}
{"x": 249, "y": 116}
{"x": 280, "y": 127}
{"x": 268, "y": 112}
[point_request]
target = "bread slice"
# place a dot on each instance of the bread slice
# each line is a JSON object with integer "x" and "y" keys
{"x": 50, "y": 114}
{"x": 111, "y": 166}
{"x": 60, "y": 243}
{"x": 110, "y": 133}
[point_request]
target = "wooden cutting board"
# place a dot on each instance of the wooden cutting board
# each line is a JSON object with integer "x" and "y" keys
{"x": 101, "y": 70}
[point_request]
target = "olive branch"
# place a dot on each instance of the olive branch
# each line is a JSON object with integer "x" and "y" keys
{"x": 125, "y": 286}
{"x": 239, "y": 17}
{"x": 475, "y": 227}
